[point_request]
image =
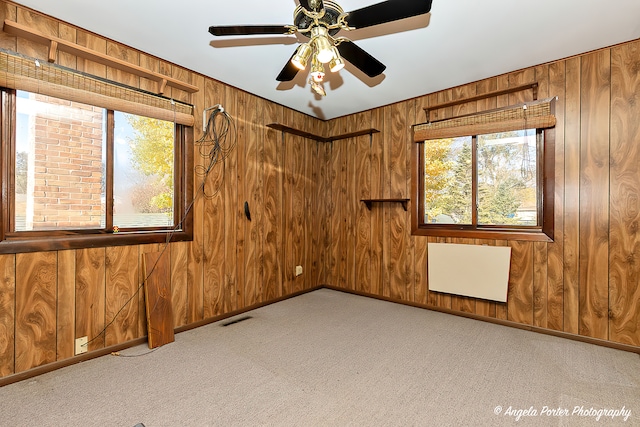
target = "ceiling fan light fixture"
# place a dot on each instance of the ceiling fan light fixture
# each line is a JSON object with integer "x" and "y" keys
{"x": 321, "y": 44}
{"x": 317, "y": 70}
{"x": 302, "y": 55}
{"x": 336, "y": 64}
{"x": 323, "y": 50}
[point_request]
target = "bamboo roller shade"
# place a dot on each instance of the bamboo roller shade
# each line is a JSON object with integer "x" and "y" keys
{"x": 23, "y": 73}
{"x": 537, "y": 114}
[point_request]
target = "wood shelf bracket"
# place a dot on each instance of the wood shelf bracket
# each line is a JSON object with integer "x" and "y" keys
{"x": 368, "y": 202}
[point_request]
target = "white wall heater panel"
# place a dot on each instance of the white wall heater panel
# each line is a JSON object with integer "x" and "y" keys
{"x": 469, "y": 270}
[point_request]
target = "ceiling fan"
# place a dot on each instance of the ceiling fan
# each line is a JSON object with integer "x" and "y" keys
{"x": 320, "y": 21}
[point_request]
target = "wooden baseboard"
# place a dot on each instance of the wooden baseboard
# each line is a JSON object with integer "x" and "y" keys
{"x": 118, "y": 347}
{"x": 561, "y": 334}
{"x": 39, "y": 370}
{"x": 21, "y": 376}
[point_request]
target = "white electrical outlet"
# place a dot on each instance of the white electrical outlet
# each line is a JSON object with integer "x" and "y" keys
{"x": 298, "y": 270}
{"x": 81, "y": 345}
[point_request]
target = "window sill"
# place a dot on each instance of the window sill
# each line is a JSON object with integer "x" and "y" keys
{"x": 71, "y": 240}
{"x": 536, "y": 235}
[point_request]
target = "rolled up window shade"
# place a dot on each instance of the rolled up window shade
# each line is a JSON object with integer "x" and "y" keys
{"x": 28, "y": 74}
{"x": 537, "y": 114}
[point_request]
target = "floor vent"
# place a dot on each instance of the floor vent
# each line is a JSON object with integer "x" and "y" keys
{"x": 238, "y": 320}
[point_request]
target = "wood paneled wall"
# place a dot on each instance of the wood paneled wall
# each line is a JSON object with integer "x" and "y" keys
{"x": 586, "y": 282}
{"x": 49, "y": 299}
{"x": 305, "y": 206}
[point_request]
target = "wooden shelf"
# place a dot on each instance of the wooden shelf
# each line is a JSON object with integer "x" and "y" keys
{"x": 368, "y": 202}
{"x": 533, "y": 86}
{"x": 287, "y": 129}
{"x": 57, "y": 44}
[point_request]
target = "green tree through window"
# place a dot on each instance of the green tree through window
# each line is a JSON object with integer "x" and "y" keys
{"x": 495, "y": 174}
{"x": 152, "y": 148}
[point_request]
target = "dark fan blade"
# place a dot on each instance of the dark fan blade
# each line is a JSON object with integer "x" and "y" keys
{"x": 387, "y": 11}
{"x": 315, "y": 5}
{"x": 361, "y": 59}
{"x": 289, "y": 71}
{"x": 248, "y": 30}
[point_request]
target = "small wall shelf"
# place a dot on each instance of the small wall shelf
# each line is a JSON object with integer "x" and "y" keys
{"x": 368, "y": 202}
{"x": 287, "y": 129}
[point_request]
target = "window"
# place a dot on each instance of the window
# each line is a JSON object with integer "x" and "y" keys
{"x": 81, "y": 175}
{"x": 495, "y": 185}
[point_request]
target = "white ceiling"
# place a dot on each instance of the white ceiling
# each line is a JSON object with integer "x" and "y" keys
{"x": 460, "y": 41}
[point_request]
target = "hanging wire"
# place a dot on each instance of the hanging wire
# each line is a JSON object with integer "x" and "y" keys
{"x": 213, "y": 145}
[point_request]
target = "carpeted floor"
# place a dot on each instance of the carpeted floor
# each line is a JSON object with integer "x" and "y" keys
{"x": 327, "y": 358}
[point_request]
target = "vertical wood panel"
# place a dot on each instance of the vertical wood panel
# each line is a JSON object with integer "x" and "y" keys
{"x": 363, "y": 191}
{"x": 182, "y": 75}
{"x": 209, "y": 248}
{"x": 555, "y": 249}
{"x": 540, "y": 295}
{"x": 150, "y": 63}
{"x": 257, "y": 197}
{"x": 312, "y": 222}
{"x": 398, "y": 252}
{"x": 179, "y": 280}
{"x": 244, "y": 135}
{"x": 121, "y": 273}
{"x": 7, "y": 314}
{"x": 44, "y": 25}
{"x": 540, "y": 249}
{"x": 571, "y": 236}
{"x": 336, "y": 213}
{"x": 66, "y": 301}
{"x": 624, "y": 252}
{"x": 377, "y": 173}
{"x": 90, "y": 296}
{"x": 126, "y": 54}
{"x": 312, "y": 225}
{"x": 35, "y": 333}
{"x": 594, "y": 194}
{"x": 94, "y": 43}
{"x": 351, "y": 208}
{"x": 192, "y": 277}
{"x": 231, "y": 207}
{"x": 295, "y": 165}
{"x": 66, "y": 32}
{"x": 324, "y": 209}
{"x": 8, "y": 11}
{"x": 272, "y": 202}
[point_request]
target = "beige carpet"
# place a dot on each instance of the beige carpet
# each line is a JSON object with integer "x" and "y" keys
{"x": 328, "y": 358}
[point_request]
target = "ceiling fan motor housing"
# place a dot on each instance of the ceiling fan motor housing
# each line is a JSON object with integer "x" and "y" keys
{"x": 332, "y": 12}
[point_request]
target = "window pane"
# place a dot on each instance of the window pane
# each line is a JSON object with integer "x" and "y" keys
{"x": 143, "y": 172}
{"x": 447, "y": 181}
{"x": 59, "y": 168}
{"x": 507, "y": 178}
